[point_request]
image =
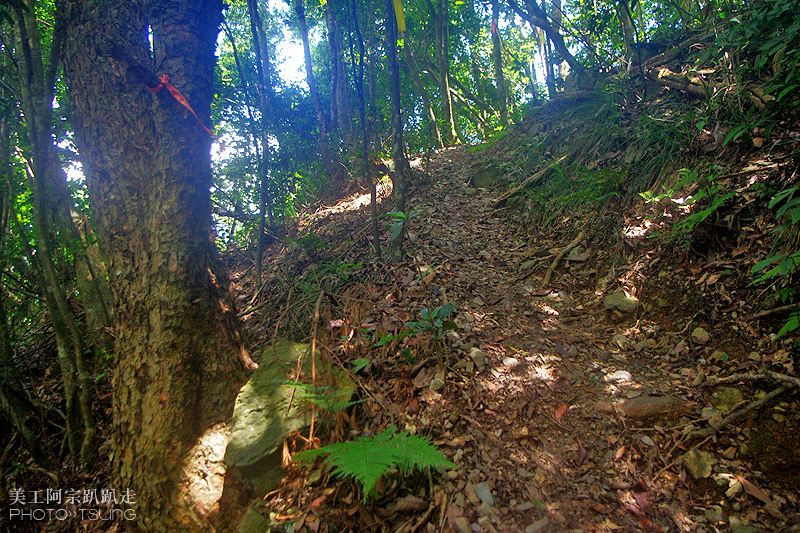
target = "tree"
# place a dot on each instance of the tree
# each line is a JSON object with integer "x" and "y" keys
{"x": 401, "y": 167}
{"x": 55, "y": 228}
{"x": 180, "y": 358}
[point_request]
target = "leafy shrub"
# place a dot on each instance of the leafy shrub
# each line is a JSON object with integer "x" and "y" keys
{"x": 784, "y": 263}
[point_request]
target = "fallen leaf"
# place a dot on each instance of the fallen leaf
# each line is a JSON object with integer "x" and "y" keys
{"x": 581, "y": 453}
{"x": 561, "y": 411}
{"x": 619, "y": 454}
{"x": 318, "y": 501}
{"x": 753, "y": 490}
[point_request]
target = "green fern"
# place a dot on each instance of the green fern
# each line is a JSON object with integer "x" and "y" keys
{"x": 366, "y": 459}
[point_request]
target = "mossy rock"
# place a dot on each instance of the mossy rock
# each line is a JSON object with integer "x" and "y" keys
{"x": 269, "y": 408}
{"x": 486, "y": 175}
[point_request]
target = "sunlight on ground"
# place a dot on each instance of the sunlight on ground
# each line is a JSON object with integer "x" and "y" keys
{"x": 355, "y": 201}
{"x": 203, "y": 473}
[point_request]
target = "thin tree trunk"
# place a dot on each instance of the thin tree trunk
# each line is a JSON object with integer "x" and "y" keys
{"x": 441, "y": 20}
{"x": 497, "y": 61}
{"x": 359, "y": 79}
{"x": 401, "y": 167}
{"x": 628, "y": 36}
{"x": 53, "y": 210}
{"x": 413, "y": 69}
{"x": 263, "y": 83}
{"x": 322, "y": 121}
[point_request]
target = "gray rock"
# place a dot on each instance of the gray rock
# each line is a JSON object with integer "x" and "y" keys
{"x": 618, "y": 376}
{"x": 478, "y": 357}
{"x": 484, "y": 493}
{"x": 618, "y": 301}
{"x": 268, "y": 408}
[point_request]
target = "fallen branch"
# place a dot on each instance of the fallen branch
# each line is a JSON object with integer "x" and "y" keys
{"x": 781, "y": 309}
{"x": 500, "y": 201}
{"x": 549, "y": 274}
{"x": 768, "y": 374}
{"x": 736, "y": 415}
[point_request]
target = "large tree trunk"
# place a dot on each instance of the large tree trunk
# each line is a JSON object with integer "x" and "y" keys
{"x": 179, "y": 354}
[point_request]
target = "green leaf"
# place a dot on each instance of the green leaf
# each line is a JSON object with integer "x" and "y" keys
{"x": 761, "y": 265}
{"x": 360, "y": 363}
{"x": 786, "y": 265}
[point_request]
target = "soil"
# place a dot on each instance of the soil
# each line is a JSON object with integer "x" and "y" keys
{"x": 560, "y": 414}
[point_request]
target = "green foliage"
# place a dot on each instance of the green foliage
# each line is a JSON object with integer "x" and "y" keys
{"x": 708, "y": 195}
{"x": 311, "y": 243}
{"x": 366, "y": 459}
{"x": 359, "y": 364}
{"x": 786, "y": 263}
{"x": 397, "y": 228}
{"x": 434, "y": 321}
{"x": 330, "y": 399}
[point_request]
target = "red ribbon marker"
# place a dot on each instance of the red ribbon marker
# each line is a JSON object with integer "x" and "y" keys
{"x": 164, "y": 79}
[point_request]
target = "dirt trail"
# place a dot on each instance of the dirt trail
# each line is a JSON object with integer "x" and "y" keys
{"x": 567, "y": 407}
{"x": 565, "y": 426}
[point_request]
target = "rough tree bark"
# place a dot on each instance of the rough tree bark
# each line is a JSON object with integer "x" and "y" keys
{"x": 179, "y": 355}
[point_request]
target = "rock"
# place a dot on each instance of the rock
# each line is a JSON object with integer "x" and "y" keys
{"x": 484, "y": 493}
{"x": 699, "y": 463}
{"x": 619, "y": 376}
{"x": 642, "y": 345}
{"x": 660, "y": 406}
{"x": 700, "y": 336}
{"x": 470, "y": 191}
{"x": 619, "y": 301}
{"x": 621, "y": 341}
{"x": 726, "y": 398}
{"x": 478, "y": 357}
{"x": 472, "y": 494}
{"x": 438, "y": 381}
{"x": 462, "y": 525}
{"x": 714, "y": 514}
{"x": 254, "y": 522}
{"x": 268, "y": 409}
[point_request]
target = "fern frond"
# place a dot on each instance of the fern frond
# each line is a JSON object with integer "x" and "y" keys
{"x": 366, "y": 459}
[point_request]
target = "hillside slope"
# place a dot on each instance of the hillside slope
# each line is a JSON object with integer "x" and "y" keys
{"x": 612, "y": 366}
